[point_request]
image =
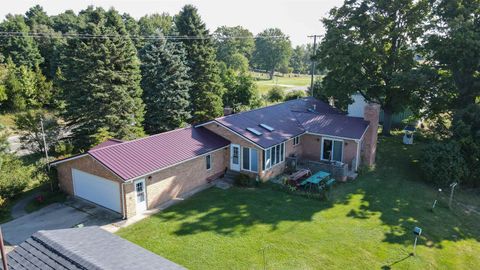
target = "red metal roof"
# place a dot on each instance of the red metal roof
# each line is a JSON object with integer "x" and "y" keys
{"x": 139, "y": 157}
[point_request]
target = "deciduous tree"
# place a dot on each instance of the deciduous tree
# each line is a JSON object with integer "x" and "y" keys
{"x": 369, "y": 47}
{"x": 272, "y": 50}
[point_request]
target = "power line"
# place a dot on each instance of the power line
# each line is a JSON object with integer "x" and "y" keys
{"x": 106, "y": 36}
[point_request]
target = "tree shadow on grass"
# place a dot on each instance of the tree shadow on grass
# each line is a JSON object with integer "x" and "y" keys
{"x": 236, "y": 211}
{"x": 395, "y": 192}
{"x": 392, "y": 193}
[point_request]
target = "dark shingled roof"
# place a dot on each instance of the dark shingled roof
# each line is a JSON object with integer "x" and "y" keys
{"x": 139, "y": 157}
{"x": 293, "y": 118}
{"x": 83, "y": 248}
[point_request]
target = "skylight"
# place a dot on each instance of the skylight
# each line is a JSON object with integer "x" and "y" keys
{"x": 254, "y": 131}
{"x": 267, "y": 127}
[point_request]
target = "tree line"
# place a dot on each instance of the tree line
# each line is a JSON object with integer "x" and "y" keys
{"x": 106, "y": 74}
{"x": 421, "y": 55}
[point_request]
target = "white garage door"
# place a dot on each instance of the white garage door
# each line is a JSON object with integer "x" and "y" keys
{"x": 97, "y": 189}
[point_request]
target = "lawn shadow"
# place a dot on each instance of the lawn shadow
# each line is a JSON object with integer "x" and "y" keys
{"x": 237, "y": 210}
{"x": 394, "y": 191}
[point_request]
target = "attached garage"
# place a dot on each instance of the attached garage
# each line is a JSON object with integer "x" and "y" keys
{"x": 96, "y": 189}
{"x": 134, "y": 176}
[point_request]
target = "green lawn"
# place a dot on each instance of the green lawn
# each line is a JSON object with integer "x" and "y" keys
{"x": 285, "y": 82}
{"x": 367, "y": 224}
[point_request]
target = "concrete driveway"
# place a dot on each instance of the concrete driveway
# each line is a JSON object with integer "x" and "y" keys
{"x": 73, "y": 213}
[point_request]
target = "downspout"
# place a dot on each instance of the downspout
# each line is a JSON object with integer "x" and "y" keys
{"x": 358, "y": 155}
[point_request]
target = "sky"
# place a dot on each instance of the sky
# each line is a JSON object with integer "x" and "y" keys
{"x": 298, "y": 19}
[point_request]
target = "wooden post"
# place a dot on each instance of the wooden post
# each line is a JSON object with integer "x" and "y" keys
{"x": 2, "y": 252}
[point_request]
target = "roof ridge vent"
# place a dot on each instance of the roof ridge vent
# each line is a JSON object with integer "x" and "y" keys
{"x": 267, "y": 127}
{"x": 254, "y": 131}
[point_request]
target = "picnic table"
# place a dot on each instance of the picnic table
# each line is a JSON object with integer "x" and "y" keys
{"x": 316, "y": 178}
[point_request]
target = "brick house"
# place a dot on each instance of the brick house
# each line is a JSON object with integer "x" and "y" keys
{"x": 130, "y": 177}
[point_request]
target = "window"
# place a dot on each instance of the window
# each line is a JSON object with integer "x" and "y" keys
{"x": 250, "y": 159}
{"x": 208, "y": 160}
{"x": 332, "y": 150}
{"x": 253, "y": 160}
{"x": 273, "y": 155}
{"x": 296, "y": 140}
{"x": 246, "y": 158}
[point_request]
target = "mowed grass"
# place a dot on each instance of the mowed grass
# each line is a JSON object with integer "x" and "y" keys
{"x": 288, "y": 81}
{"x": 367, "y": 224}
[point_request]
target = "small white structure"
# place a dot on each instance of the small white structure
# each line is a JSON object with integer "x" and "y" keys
{"x": 408, "y": 136}
{"x": 358, "y": 106}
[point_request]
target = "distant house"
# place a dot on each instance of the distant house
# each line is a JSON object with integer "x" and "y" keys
{"x": 130, "y": 177}
{"x": 359, "y": 102}
{"x": 83, "y": 248}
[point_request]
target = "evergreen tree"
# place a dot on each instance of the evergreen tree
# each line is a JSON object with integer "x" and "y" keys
{"x": 20, "y": 47}
{"x": 207, "y": 90}
{"x": 66, "y": 22}
{"x": 48, "y": 41}
{"x": 101, "y": 80}
{"x": 152, "y": 25}
{"x": 165, "y": 85}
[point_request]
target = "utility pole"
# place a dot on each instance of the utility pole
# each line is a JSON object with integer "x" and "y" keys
{"x": 2, "y": 252}
{"x": 45, "y": 147}
{"x": 313, "y": 62}
{"x": 44, "y": 143}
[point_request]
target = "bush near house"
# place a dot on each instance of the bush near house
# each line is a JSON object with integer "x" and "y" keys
{"x": 243, "y": 180}
{"x": 442, "y": 163}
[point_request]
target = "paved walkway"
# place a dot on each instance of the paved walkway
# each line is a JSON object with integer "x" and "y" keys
{"x": 18, "y": 210}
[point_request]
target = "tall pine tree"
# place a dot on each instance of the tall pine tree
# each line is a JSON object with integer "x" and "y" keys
{"x": 165, "y": 85}
{"x": 101, "y": 80}
{"x": 207, "y": 90}
{"x": 20, "y": 47}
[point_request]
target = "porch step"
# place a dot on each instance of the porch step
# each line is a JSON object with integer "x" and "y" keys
{"x": 229, "y": 176}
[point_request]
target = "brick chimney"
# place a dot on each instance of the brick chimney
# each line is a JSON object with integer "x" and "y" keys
{"x": 371, "y": 114}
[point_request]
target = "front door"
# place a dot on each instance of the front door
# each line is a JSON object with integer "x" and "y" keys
{"x": 235, "y": 157}
{"x": 141, "y": 196}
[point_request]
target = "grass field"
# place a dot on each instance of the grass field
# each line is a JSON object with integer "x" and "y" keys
{"x": 288, "y": 81}
{"x": 367, "y": 224}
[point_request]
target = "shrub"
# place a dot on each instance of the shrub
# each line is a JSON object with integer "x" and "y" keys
{"x": 295, "y": 95}
{"x": 243, "y": 180}
{"x": 14, "y": 176}
{"x": 442, "y": 163}
{"x": 276, "y": 94}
